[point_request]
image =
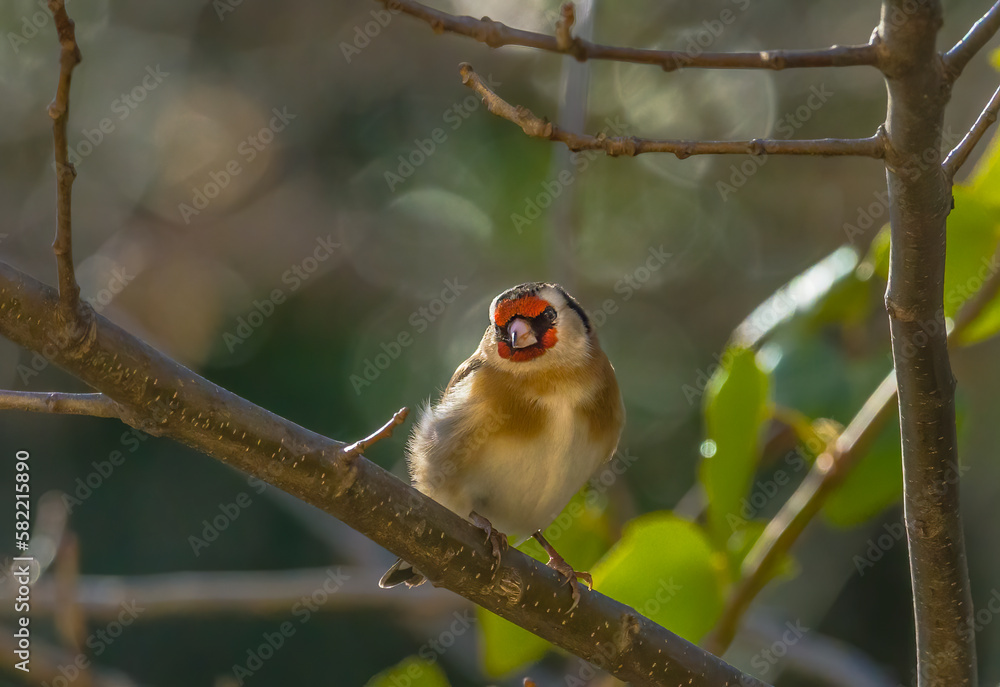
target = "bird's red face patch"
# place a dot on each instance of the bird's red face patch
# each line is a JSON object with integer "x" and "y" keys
{"x": 527, "y": 306}
{"x": 530, "y": 308}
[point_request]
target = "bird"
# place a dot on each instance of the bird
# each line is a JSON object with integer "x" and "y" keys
{"x": 521, "y": 426}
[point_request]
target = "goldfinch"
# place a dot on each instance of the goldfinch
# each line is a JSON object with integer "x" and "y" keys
{"x": 521, "y": 426}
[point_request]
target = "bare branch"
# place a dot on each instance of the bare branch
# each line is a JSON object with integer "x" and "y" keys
{"x": 384, "y": 432}
{"x": 69, "y": 57}
{"x": 631, "y": 146}
{"x": 243, "y": 593}
{"x": 978, "y": 36}
{"x": 164, "y": 398}
{"x": 496, "y": 34}
{"x": 960, "y": 153}
{"x": 97, "y": 405}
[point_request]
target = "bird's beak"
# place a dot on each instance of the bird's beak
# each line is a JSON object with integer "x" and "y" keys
{"x": 520, "y": 333}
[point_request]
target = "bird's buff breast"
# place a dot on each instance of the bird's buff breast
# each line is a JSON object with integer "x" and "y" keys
{"x": 518, "y": 481}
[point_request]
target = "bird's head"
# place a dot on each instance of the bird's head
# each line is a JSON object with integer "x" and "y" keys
{"x": 537, "y": 324}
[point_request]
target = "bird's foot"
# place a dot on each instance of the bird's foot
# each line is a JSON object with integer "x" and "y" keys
{"x": 559, "y": 564}
{"x": 496, "y": 539}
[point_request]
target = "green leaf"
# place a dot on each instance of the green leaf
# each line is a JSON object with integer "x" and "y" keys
{"x": 972, "y": 242}
{"x": 878, "y": 253}
{"x": 582, "y": 534}
{"x": 505, "y": 647}
{"x": 667, "y": 570}
{"x": 985, "y": 178}
{"x": 411, "y": 671}
{"x": 735, "y": 410}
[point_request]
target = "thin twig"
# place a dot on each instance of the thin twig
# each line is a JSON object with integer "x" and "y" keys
{"x": 496, "y": 34}
{"x": 384, "y": 432}
{"x": 978, "y": 36}
{"x": 630, "y": 146}
{"x": 960, "y": 153}
{"x": 97, "y": 405}
{"x": 69, "y": 57}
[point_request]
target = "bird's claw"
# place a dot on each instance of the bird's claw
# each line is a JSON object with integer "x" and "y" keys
{"x": 559, "y": 564}
{"x": 571, "y": 577}
{"x": 496, "y": 539}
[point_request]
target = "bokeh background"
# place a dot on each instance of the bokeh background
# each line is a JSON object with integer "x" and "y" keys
{"x": 261, "y": 194}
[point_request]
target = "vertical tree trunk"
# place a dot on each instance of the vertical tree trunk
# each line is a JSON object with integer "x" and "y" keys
{"x": 920, "y": 200}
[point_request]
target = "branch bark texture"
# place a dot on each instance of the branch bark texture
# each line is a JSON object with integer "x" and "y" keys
{"x": 920, "y": 200}
{"x": 497, "y": 34}
{"x": 160, "y": 396}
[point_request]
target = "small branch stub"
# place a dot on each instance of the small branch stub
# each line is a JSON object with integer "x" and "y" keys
{"x": 384, "y": 432}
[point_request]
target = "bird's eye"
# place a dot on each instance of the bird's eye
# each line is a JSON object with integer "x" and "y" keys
{"x": 549, "y": 314}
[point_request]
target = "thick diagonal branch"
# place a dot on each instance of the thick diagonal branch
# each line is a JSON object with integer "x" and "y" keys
{"x": 631, "y": 146}
{"x": 162, "y": 397}
{"x": 920, "y": 199}
{"x": 496, "y": 34}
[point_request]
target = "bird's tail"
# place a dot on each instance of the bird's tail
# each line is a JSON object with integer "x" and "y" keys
{"x": 401, "y": 573}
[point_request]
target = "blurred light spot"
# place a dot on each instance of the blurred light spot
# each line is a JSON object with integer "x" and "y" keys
{"x": 769, "y": 356}
{"x": 215, "y": 145}
{"x": 445, "y": 209}
{"x": 707, "y": 448}
{"x": 689, "y": 104}
{"x": 798, "y": 295}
